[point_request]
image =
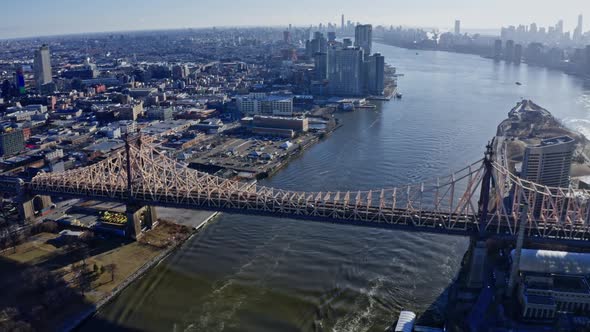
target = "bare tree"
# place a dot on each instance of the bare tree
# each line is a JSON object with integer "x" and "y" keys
{"x": 111, "y": 268}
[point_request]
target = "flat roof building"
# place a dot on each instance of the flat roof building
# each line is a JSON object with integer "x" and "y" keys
{"x": 11, "y": 142}
{"x": 549, "y": 163}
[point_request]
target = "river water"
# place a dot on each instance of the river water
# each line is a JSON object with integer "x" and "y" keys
{"x": 244, "y": 273}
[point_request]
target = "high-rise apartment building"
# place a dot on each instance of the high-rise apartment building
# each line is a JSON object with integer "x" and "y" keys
{"x": 42, "y": 66}
{"x": 345, "y": 71}
{"x": 549, "y": 163}
{"x": 498, "y": 49}
{"x": 321, "y": 66}
{"x": 12, "y": 141}
{"x": 375, "y": 74}
{"x": 331, "y": 36}
{"x": 363, "y": 38}
{"x": 509, "y": 51}
{"x": 287, "y": 36}
{"x": 457, "y": 27}
{"x": 517, "y": 58}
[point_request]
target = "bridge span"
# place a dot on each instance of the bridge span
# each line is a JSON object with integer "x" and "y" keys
{"x": 483, "y": 199}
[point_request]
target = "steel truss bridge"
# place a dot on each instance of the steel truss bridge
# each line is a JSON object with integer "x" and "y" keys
{"x": 482, "y": 199}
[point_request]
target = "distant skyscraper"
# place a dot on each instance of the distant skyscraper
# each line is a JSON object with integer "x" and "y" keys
{"x": 345, "y": 71}
{"x": 579, "y": 31}
{"x": 498, "y": 49}
{"x": 363, "y": 38}
{"x": 517, "y": 53}
{"x": 375, "y": 74}
{"x": 509, "y": 51}
{"x": 331, "y": 36}
{"x": 42, "y": 66}
{"x": 318, "y": 44}
{"x": 342, "y": 23}
{"x": 287, "y": 36}
{"x": 588, "y": 59}
{"x": 321, "y": 66}
{"x": 457, "y": 27}
{"x": 559, "y": 27}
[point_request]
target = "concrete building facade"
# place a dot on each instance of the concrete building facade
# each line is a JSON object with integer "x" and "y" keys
{"x": 549, "y": 163}
{"x": 363, "y": 38}
{"x": 42, "y": 66}
{"x": 345, "y": 71}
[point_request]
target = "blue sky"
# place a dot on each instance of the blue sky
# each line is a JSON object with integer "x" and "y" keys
{"x": 20, "y": 18}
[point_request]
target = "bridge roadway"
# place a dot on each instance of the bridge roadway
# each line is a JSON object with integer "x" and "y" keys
{"x": 253, "y": 203}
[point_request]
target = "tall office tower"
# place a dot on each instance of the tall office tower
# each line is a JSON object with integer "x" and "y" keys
{"x": 308, "y": 49}
{"x": 342, "y": 23}
{"x": 363, "y": 38}
{"x": 457, "y": 27}
{"x": 509, "y": 50}
{"x": 517, "y": 53}
{"x": 559, "y": 27}
{"x": 321, "y": 66}
{"x": 533, "y": 28}
{"x": 331, "y": 36}
{"x": 287, "y": 36}
{"x": 375, "y": 74}
{"x": 579, "y": 31}
{"x": 498, "y": 49}
{"x": 42, "y": 66}
{"x": 345, "y": 74}
{"x": 549, "y": 163}
{"x": 319, "y": 44}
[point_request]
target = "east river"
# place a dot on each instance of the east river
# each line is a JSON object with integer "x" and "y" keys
{"x": 244, "y": 273}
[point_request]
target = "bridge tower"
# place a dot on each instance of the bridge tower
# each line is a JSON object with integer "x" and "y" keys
{"x": 29, "y": 206}
{"x": 135, "y": 212}
{"x": 476, "y": 277}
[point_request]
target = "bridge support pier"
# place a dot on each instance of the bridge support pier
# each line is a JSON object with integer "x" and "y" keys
{"x": 139, "y": 217}
{"x": 27, "y": 206}
{"x": 477, "y": 264}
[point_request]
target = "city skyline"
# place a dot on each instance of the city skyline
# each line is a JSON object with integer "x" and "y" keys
{"x": 70, "y": 17}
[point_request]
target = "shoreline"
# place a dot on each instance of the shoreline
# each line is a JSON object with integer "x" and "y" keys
{"x": 88, "y": 314}
{"x": 488, "y": 57}
{"x": 148, "y": 266}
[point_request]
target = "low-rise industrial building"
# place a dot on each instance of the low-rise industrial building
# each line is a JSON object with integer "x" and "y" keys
{"x": 552, "y": 282}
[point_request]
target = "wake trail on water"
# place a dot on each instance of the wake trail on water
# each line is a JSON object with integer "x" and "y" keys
{"x": 221, "y": 305}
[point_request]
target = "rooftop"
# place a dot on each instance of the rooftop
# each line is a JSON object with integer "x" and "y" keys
{"x": 556, "y": 141}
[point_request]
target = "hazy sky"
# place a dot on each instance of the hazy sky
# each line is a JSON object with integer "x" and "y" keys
{"x": 20, "y": 18}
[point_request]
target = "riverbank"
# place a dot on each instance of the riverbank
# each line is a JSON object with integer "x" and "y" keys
{"x": 486, "y": 55}
{"x": 56, "y": 283}
{"x": 138, "y": 274}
